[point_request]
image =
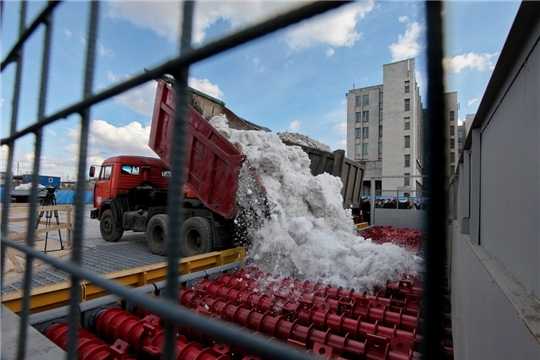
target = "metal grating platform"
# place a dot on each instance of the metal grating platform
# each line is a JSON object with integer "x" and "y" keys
{"x": 101, "y": 259}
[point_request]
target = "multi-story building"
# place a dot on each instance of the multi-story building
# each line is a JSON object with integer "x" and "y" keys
{"x": 452, "y": 135}
{"x": 385, "y": 131}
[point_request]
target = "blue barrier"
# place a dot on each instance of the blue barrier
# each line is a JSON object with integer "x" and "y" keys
{"x": 66, "y": 196}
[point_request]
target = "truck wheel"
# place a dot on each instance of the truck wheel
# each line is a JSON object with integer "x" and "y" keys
{"x": 197, "y": 237}
{"x": 107, "y": 227}
{"x": 156, "y": 234}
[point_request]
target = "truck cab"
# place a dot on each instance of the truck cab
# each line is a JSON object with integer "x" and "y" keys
{"x": 127, "y": 184}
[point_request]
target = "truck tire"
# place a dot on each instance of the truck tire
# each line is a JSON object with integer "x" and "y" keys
{"x": 197, "y": 236}
{"x": 107, "y": 227}
{"x": 156, "y": 234}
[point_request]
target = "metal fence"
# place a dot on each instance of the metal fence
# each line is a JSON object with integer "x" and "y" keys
{"x": 179, "y": 67}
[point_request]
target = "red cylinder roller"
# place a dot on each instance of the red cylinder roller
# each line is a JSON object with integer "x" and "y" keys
{"x": 280, "y": 328}
{"x": 358, "y": 309}
{"x": 116, "y": 323}
{"x": 146, "y": 335}
{"x": 89, "y": 347}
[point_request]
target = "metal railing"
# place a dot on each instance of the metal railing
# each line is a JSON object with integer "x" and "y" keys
{"x": 179, "y": 68}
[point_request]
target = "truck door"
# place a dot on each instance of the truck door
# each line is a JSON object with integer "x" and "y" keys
{"x": 102, "y": 189}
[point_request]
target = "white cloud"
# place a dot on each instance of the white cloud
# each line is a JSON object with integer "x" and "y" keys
{"x": 164, "y": 17}
{"x": 101, "y": 49}
{"x": 130, "y": 139}
{"x": 340, "y": 128}
{"x": 329, "y": 52}
{"x": 473, "y": 61}
{"x": 1, "y": 102}
{"x": 403, "y": 19}
{"x": 341, "y": 144}
{"x": 408, "y": 45}
{"x": 67, "y": 33}
{"x": 206, "y": 87}
{"x": 294, "y": 126}
{"x": 140, "y": 99}
{"x": 473, "y": 102}
{"x": 257, "y": 62}
{"x": 337, "y": 28}
{"x": 53, "y": 133}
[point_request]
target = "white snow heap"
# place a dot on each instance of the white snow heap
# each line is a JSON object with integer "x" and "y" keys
{"x": 308, "y": 234}
{"x": 27, "y": 186}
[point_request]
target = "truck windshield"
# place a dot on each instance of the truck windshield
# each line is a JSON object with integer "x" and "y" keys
{"x": 130, "y": 170}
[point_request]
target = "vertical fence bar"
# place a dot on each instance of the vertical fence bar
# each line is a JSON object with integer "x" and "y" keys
{"x": 436, "y": 165}
{"x": 6, "y": 198}
{"x": 32, "y": 218}
{"x": 177, "y": 168}
{"x": 76, "y": 257}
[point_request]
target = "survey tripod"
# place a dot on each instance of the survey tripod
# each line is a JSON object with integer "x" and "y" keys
{"x": 50, "y": 200}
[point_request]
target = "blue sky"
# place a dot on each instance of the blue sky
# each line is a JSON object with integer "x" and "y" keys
{"x": 293, "y": 80}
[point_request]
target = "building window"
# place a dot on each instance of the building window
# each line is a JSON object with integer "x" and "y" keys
{"x": 407, "y": 86}
{"x": 358, "y": 150}
{"x": 460, "y": 146}
{"x": 452, "y": 130}
{"x": 365, "y": 116}
{"x": 452, "y": 116}
{"x": 357, "y": 117}
{"x": 366, "y": 99}
{"x": 407, "y": 160}
{"x": 452, "y": 157}
{"x": 452, "y": 143}
{"x": 460, "y": 134}
{"x": 357, "y": 133}
{"x": 407, "y": 179}
{"x": 452, "y": 170}
{"x": 407, "y": 141}
{"x": 365, "y": 132}
{"x": 365, "y": 149}
{"x": 407, "y": 104}
{"x": 380, "y": 114}
{"x": 380, "y": 130}
{"x": 380, "y": 97}
{"x": 358, "y": 101}
{"x": 407, "y": 123}
{"x": 380, "y": 147}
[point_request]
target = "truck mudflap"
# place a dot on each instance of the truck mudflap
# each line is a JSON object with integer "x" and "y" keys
{"x": 212, "y": 162}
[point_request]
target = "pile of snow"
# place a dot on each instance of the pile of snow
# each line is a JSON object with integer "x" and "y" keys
{"x": 27, "y": 187}
{"x": 303, "y": 140}
{"x": 308, "y": 234}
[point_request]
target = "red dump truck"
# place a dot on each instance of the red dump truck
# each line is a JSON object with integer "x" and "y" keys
{"x": 130, "y": 192}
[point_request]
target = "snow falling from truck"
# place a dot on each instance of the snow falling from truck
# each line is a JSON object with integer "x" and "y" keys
{"x": 308, "y": 233}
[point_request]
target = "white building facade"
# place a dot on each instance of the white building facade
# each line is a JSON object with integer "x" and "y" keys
{"x": 384, "y": 130}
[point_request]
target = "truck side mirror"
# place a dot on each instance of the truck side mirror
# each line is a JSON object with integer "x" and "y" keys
{"x": 92, "y": 171}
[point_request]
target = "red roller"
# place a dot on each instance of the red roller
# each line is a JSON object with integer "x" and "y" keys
{"x": 341, "y": 310}
{"x": 280, "y": 328}
{"x": 146, "y": 335}
{"x": 89, "y": 347}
